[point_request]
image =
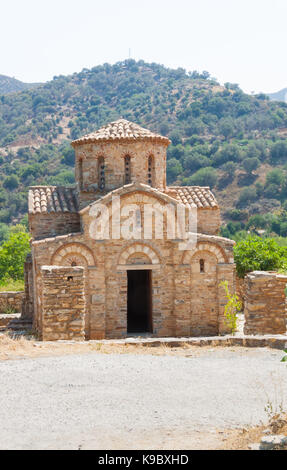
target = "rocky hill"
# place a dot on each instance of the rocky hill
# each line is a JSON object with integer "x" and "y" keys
{"x": 220, "y": 136}
{"x": 11, "y": 85}
{"x": 279, "y": 95}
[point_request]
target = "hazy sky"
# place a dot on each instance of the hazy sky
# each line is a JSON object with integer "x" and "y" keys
{"x": 240, "y": 41}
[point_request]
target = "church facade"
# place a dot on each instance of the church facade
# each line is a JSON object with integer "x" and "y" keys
{"x": 110, "y": 257}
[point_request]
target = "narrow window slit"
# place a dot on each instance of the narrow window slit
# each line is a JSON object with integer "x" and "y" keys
{"x": 150, "y": 174}
{"x": 101, "y": 169}
{"x": 127, "y": 169}
{"x": 202, "y": 267}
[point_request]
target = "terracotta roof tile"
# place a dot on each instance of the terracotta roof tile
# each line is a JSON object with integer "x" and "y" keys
{"x": 122, "y": 130}
{"x": 52, "y": 199}
{"x": 193, "y": 196}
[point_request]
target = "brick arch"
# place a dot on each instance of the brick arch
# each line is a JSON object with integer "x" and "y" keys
{"x": 100, "y": 154}
{"x": 138, "y": 248}
{"x": 74, "y": 252}
{"x": 205, "y": 246}
{"x": 128, "y": 152}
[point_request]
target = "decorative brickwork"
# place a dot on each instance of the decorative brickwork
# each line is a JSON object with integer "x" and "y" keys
{"x": 265, "y": 303}
{"x": 177, "y": 291}
{"x": 63, "y": 303}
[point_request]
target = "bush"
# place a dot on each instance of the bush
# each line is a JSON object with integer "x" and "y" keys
{"x": 13, "y": 253}
{"x": 278, "y": 151}
{"x": 195, "y": 161}
{"x": 11, "y": 182}
{"x": 250, "y": 164}
{"x": 247, "y": 195}
{"x": 257, "y": 254}
{"x": 68, "y": 156}
{"x": 203, "y": 177}
{"x": 173, "y": 169}
{"x": 229, "y": 152}
{"x": 274, "y": 177}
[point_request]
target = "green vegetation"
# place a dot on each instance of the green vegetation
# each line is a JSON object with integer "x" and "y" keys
{"x": 259, "y": 254}
{"x": 13, "y": 252}
{"x": 231, "y": 309}
{"x": 11, "y": 85}
{"x": 11, "y": 285}
{"x": 219, "y": 134}
{"x": 284, "y": 358}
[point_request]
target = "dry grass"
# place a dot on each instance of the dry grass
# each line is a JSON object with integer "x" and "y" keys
{"x": 241, "y": 439}
{"x": 25, "y": 347}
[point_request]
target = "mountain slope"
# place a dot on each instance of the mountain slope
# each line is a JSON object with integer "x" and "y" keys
{"x": 11, "y": 85}
{"x": 279, "y": 95}
{"x": 220, "y": 136}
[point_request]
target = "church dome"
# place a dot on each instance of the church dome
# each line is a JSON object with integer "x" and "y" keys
{"x": 121, "y": 131}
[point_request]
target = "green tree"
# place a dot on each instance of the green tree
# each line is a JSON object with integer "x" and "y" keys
{"x": 173, "y": 169}
{"x": 278, "y": 151}
{"x": 275, "y": 176}
{"x": 11, "y": 182}
{"x": 257, "y": 254}
{"x": 13, "y": 253}
{"x": 203, "y": 177}
{"x": 250, "y": 164}
{"x": 229, "y": 169}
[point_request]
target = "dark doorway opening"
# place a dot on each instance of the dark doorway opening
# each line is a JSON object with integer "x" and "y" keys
{"x": 139, "y": 302}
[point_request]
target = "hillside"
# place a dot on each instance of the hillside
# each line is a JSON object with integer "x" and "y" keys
{"x": 279, "y": 95}
{"x": 220, "y": 136}
{"x": 11, "y": 85}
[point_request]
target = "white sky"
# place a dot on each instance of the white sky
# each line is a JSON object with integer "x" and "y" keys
{"x": 240, "y": 41}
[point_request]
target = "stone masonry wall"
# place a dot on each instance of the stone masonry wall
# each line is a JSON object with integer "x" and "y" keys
{"x": 63, "y": 303}
{"x": 11, "y": 301}
{"x": 28, "y": 299}
{"x": 240, "y": 289}
{"x": 265, "y": 303}
{"x": 51, "y": 225}
{"x": 113, "y": 154}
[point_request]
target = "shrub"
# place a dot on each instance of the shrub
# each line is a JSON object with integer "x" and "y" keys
{"x": 13, "y": 253}
{"x": 247, "y": 195}
{"x": 232, "y": 307}
{"x": 11, "y": 182}
{"x": 250, "y": 164}
{"x": 203, "y": 177}
{"x": 173, "y": 169}
{"x": 257, "y": 254}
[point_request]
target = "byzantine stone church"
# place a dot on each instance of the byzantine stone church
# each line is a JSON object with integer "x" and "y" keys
{"x": 79, "y": 286}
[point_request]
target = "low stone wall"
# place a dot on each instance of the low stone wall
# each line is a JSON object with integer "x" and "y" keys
{"x": 11, "y": 301}
{"x": 240, "y": 290}
{"x": 63, "y": 303}
{"x": 265, "y": 303}
{"x": 6, "y": 319}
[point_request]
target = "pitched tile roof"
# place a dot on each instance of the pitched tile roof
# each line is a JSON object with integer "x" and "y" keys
{"x": 52, "y": 199}
{"x": 121, "y": 130}
{"x": 193, "y": 196}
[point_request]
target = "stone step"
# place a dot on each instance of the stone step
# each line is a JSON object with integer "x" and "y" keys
{"x": 20, "y": 324}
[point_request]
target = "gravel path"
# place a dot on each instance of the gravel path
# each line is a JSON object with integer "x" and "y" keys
{"x": 135, "y": 401}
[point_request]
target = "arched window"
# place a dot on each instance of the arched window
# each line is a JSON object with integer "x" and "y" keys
{"x": 101, "y": 173}
{"x": 202, "y": 267}
{"x": 150, "y": 173}
{"x": 127, "y": 169}
{"x": 81, "y": 174}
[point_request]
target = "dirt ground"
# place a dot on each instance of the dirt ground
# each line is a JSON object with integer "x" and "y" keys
{"x": 228, "y": 439}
